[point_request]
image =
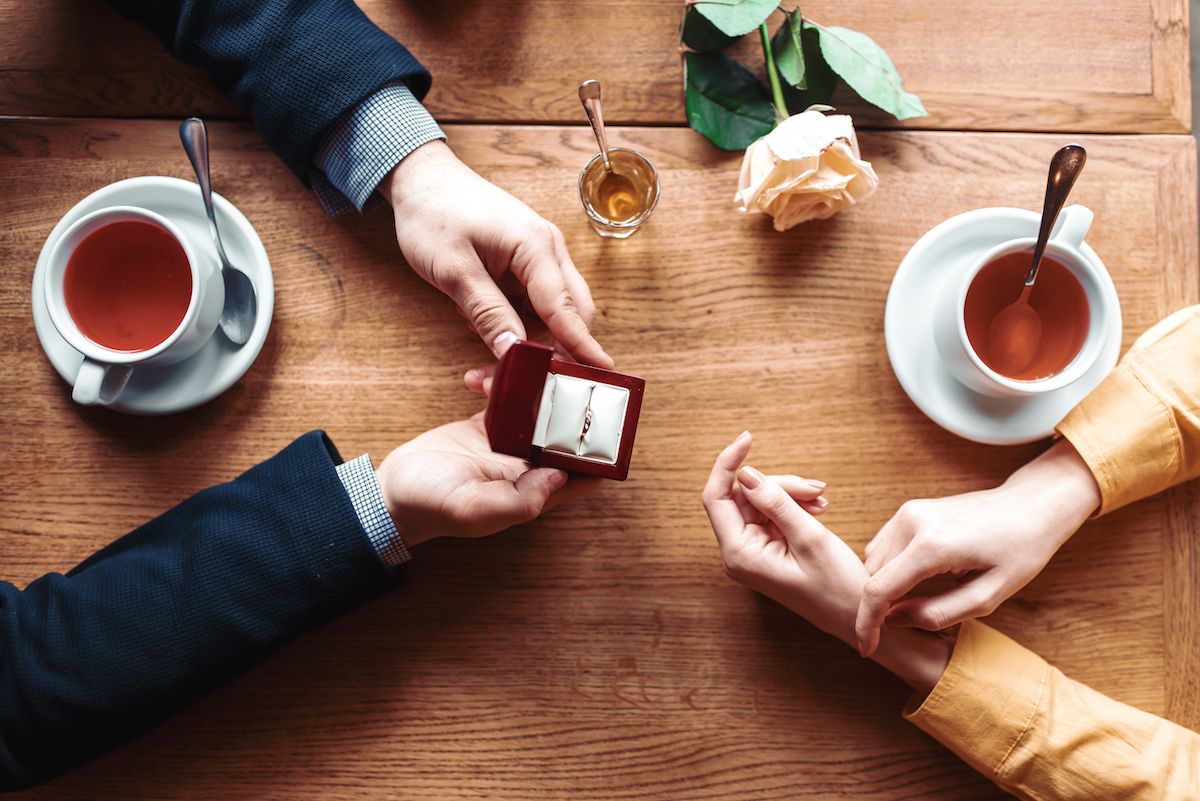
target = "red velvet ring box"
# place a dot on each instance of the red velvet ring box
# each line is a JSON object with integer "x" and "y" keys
{"x": 561, "y": 414}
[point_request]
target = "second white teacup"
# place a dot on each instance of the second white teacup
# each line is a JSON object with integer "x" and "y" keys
{"x": 949, "y": 323}
{"x": 106, "y": 370}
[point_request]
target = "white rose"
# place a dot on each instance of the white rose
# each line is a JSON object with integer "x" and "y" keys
{"x": 808, "y": 168}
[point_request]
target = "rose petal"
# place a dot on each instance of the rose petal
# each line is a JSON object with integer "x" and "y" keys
{"x": 809, "y": 167}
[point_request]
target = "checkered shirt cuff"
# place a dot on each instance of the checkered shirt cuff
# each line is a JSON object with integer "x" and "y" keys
{"x": 358, "y": 476}
{"x": 360, "y": 149}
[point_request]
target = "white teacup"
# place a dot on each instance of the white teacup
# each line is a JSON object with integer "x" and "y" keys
{"x": 949, "y": 326}
{"x": 105, "y": 372}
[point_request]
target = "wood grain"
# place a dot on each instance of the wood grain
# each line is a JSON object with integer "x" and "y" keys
{"x": 598, "y": 653}
{"x": 1122, "y": 69}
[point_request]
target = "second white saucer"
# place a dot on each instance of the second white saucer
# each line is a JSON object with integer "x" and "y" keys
{"x": 944, "y": 250}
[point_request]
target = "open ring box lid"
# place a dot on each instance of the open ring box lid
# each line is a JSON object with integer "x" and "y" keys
{"x": 561, "y": 414}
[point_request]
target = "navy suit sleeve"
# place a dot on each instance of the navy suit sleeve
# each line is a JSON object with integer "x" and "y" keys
{"x": 94, "y": 657}
{"x": 298, "y": 65}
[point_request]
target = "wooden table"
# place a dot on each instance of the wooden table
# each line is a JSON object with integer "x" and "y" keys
{"x": 599, "y": 653}
{"x": 1120, "y": 68}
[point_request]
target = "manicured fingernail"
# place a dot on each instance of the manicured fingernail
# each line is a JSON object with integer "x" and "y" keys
{"x": 819, "y": 486}
{"x": 556, "y": 479}
{"x": 822, "y": 503}
{"x": 474, "y": 375}
{"x": 502, "y": 343}
{"x": 750, "y": 478}
{"x": 742, "y": 436}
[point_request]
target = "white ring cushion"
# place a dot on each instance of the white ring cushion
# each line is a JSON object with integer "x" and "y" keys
{"x": 565, "y": 401}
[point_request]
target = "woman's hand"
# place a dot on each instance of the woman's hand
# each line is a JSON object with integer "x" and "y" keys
{"x": 771, "y": 543}
{"x": 448, "y": 483}
{"x": 993, "y": 542}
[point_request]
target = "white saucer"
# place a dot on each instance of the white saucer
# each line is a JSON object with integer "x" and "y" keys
{"x": 943, "y": 251}
{"x": 219, "y": 363}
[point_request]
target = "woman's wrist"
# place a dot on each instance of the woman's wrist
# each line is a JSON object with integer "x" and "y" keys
{"x": 1058, "y": 490}
{"x": 918, "y": 658}
{"x": 1061, "y": 486}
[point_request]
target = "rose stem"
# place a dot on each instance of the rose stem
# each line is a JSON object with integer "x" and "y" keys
{"x": 781, "y": 110}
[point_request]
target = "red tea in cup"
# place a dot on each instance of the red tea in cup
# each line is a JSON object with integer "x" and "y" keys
{"x": 1057, "y": 297}
{"x": 128, "y": 285}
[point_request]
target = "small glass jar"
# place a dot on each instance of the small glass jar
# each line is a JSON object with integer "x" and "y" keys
{"x": 618, "y": 202}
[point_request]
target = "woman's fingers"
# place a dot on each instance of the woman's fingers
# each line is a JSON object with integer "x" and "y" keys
{"x": 801, "y": 489}
{"x": 883, "y": 549}
{"x": 815, "y": 508}
{"x": 804, "y": 490}
{"x": 977, "y": 597}
{"x": 892, "y": 582}
{"x": 773, "y": 501}
{"x": 891, "y": 539}
{"x": 719, "y": 502}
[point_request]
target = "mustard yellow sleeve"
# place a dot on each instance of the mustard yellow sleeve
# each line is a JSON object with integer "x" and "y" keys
{"x": 1041, "y": 736}
{"x": 1139, "y": 431}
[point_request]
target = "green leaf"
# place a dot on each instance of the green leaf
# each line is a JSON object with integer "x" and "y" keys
{"x": 725, "y": 102}
{"x": 867, "y": 69}
{"x": 701, "y": 35}
{"x": 819, "y": 77}
{"x": 736, "y": 17}
{"x": 789, "y": 50}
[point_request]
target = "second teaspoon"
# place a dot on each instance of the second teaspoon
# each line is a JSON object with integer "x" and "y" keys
{"x": 1016, "y": 332}
{"x": 614, "y": 193}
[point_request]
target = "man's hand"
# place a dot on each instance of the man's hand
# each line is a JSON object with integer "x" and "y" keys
{"x": 484, "y": 249}
{"x": 993, "y": 542}
{"x": 448, "y": 483}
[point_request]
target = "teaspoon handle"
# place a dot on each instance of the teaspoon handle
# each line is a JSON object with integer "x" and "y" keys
{"x": 194, "y": 136}
{"x": 1064, "y": 169}
{"x": 589, "y": 95}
